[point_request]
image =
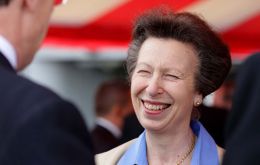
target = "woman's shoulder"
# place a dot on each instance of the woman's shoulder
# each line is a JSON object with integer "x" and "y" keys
{"x": 112, "y": 156}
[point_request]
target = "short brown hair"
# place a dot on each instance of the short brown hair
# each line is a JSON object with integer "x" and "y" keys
{"x": 213, "y": 54}
{"x": 110, "y": 93}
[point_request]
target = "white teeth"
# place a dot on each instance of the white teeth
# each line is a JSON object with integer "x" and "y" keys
{"x": 154, "y": 107}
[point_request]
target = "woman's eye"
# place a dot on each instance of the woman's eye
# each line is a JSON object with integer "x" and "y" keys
{"x": 143, "y": 72}
{"x": 172, "y": 77}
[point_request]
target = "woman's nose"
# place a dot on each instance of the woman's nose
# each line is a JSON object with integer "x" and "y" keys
{"x": 154, "y": 86}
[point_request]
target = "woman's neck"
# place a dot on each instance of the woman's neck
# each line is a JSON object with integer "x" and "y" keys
{"x": 169, "y": 148}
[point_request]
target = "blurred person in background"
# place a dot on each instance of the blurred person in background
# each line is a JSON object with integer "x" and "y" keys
{"x": 132, "y": 128}
{"x": 37, "y": 127}
{"x": 112, "y": 105}
{"x": 214, "y": 120}
{"x": 243, "y": 127}
{"x": 214, "y": 116}
{"x": 223, "y": 96}
{"x": 173, "y": 62}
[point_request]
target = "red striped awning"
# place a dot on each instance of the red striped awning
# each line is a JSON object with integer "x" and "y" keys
{"x": 112, "y": 29}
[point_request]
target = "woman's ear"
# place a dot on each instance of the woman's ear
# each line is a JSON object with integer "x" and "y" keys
{"x": 198, "y": 100}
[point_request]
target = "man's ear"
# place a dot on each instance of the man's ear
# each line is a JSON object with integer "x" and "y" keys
{"x": 16, "y": 3}
{"x": 118, "y": 111}
{"x": 31, "y": 5}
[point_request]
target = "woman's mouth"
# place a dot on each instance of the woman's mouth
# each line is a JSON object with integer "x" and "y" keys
{"x": 155, "y": 106}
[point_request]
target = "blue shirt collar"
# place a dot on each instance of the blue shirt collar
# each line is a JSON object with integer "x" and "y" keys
{"x": 205, "y": 150}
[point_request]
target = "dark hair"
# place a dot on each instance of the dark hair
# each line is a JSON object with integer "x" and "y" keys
{"x": 4, "y": 2}
{"x": 110, "y": 93}
{"x": 213, "y": 54}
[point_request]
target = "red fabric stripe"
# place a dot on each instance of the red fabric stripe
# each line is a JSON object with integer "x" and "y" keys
{"x": 244, "y": 38}
{"x": 114, "y": 27}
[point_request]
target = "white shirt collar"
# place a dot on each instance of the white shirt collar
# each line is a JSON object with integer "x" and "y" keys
{"x": 8, "y": 51}
{"x": 109, "y": 126}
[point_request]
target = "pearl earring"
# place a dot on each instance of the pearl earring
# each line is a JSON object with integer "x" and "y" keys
{"x": 198, "y": 103}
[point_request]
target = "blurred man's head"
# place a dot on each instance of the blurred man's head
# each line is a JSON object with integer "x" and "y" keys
{"x": 111, "y": 93}
{"x": 113, "y": 101}
{"x": 24, "y": 24}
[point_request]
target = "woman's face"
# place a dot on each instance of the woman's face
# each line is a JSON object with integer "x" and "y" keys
{"x": 163, "y": 85}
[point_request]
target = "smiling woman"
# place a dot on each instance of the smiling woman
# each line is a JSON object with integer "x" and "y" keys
{"x": 174, "y": 61}
{"x": 163, "y": 88}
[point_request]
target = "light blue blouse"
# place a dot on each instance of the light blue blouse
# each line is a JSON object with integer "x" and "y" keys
{"x": 205, "y": 150}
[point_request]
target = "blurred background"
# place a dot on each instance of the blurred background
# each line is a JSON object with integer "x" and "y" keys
{"x": 87, "y": 43}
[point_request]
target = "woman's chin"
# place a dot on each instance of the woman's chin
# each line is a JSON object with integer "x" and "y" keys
{"x": 152, "y": 127}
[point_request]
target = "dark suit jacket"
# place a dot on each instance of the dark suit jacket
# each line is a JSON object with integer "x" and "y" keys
{"x": 132, "y": 128}
{"x": 242, "y": 131}
{"x": 214, "y": 120}
{"x": 103, "y": 139}
{"x": 37, "y": 127}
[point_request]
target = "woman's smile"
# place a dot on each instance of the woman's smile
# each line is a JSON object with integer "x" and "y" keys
{"x": 152, "y": 107}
